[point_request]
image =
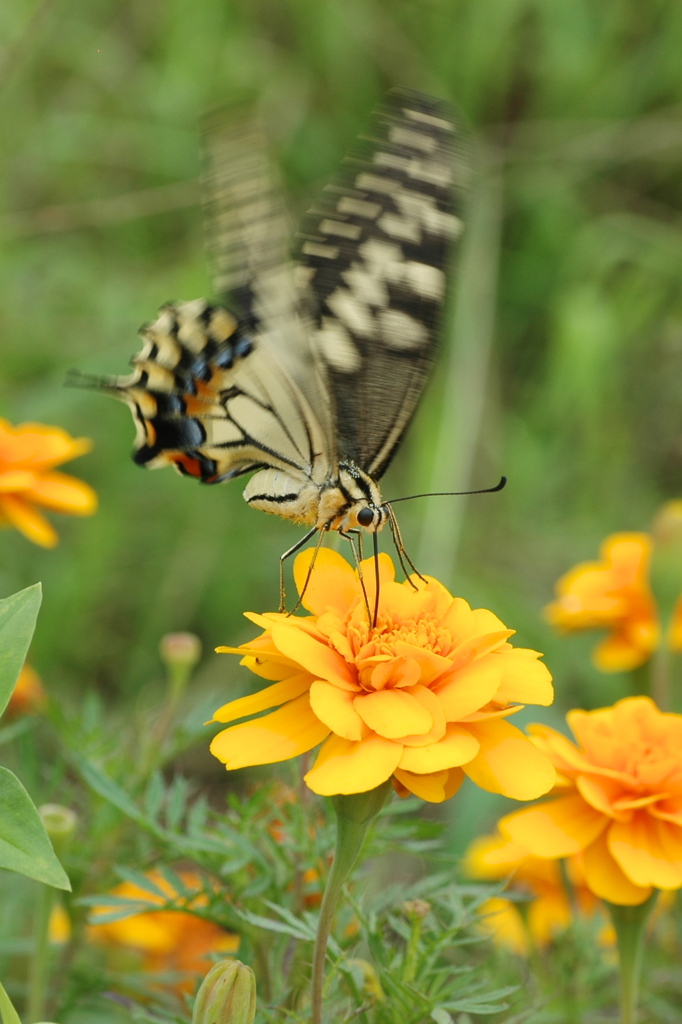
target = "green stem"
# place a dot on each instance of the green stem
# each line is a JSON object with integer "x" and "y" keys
{"x": 630, "y": 924}
{"x": 39, "y": 968}
{"x": 410, "y": 968}
{"x": 354, "y": 815}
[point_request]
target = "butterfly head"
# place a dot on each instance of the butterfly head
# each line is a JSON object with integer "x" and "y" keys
{"x": 360, "y": 504}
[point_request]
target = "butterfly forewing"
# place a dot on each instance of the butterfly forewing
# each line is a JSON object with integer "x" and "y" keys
{"x": 307, "y": 371}
{"x": 375, "y": 253}
{"x": 248, "y": 242}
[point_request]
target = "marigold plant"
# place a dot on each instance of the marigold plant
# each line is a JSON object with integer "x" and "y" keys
{"x": 28, "y": 481}
{"x": 175, "y": 941}
{"x": 614, "y": 593}
{"x": 550, "y": 907}
{"x": 618, "y": 800}
{"x": 421, "y": 697}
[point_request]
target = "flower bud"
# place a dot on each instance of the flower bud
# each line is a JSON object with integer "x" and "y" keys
{"x": 416, "y": 908}
{"x": 227, "y": 995}
{"x": 60, "y": 824}
{"x": 180, "y": 648}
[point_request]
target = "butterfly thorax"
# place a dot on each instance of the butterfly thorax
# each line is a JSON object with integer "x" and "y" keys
{"x": 346, "y": 499}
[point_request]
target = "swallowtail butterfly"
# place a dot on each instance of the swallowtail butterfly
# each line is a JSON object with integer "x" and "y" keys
{"x": 307, "y": 369}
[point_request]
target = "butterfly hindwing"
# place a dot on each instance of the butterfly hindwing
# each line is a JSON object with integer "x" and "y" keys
{"x": 215, "y": 393}
{"x": 375, "y": 254}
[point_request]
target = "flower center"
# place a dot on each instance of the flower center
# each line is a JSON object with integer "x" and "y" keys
{"x": 385, "y": 638}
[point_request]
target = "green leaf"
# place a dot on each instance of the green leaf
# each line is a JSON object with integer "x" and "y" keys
{"x": 7, "y": 1012}
{"x": 299, "y": 930}
{"x": 18, "y": 615}
{"x": 107, "y": 788}
{"x": 24, "y": 844}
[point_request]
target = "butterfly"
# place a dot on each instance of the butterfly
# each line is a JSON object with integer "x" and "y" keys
{"x": 308, "y": 368}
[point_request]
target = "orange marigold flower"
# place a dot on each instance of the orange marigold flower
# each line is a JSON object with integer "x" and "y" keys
{"x": 422, "y": 697}
{"x": 620, "y": 801}
{"x": 614, "y": 594}
{"x": 29, "y": 694}
{"x": 28, "y": 456}
{"x": 169, "y": 941}
{"x": 550, "y": 910}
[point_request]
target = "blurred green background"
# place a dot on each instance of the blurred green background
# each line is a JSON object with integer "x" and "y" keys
{"x": 561, "y": 361}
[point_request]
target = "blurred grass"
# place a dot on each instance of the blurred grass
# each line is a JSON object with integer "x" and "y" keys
{"x": 577, "y": 110}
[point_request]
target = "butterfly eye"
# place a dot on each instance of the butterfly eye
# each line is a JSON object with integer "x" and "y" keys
{"x": 365, "y": 517}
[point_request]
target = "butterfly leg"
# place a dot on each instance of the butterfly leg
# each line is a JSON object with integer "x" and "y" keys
{"x": 282, "y": 558}
{"x": 350, "y": 536}
{"x": 403, "y": 556}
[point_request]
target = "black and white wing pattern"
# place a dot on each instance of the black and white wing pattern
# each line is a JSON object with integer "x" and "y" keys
{"x": 376, "y": 250}
{"x": 306, "y": 371}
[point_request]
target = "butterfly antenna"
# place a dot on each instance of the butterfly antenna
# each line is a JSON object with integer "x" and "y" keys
{"x": 450, "y": 494}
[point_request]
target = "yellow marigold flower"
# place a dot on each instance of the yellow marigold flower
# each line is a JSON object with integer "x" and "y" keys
{"x": 28, "y": 456}
{"x": 169, "y": 941}
{"x": 549, "y": 911}
{"x": 28, "y": 696}
{"x": 422, "y": 697}
{"x": 620, "y": 802}
{"x": 614, "y": 594}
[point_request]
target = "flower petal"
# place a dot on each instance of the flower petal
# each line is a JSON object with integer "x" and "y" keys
{"x": 334, "y": 707}
{"x": 434, "y": 788}
{"x": 486, "y": 621}
{"x": 393, "y": 713}
{"x": 601, "y": 793}
{"x": 501, "y": 919}
{"x": 332, "y": 583}
{"x": 555, "y": 828}
{"x": 316, "y": 657}
{"x": 346, "y": 767}
{"x": 435, "y": 709}
{"x": 563, "y": 754}
{"x": 618, "y": 653}
{"x": 478, "y": 646}
{"x": 457, "y": 747}
{"x": 270, "y": 697}
{"x": 606, "y": 879}
{"x": 525, "y": 680}
{"x": 460, "y": 620}
{"x": 39, "y": 446}
{"x": 548, "y": 914}
{"x": 28, "y": 521}
{"x": 431, "y": 665}
{"x": 287, "y": 732}
{"x": 63, "y": 493}
{"x": 471, "y": 688}
{"x": 492, "y": 857}
{"x": 648, "y": 851}
{"x": 508, "y": 762}
{"x": 15, "y": 480}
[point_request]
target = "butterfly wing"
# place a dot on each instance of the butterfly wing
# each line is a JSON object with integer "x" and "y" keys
{"x": 375, "y": 253}
{"x": 218, "y": 394}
